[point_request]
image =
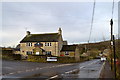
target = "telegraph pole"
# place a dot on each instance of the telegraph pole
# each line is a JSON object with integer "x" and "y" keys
{"x": 113, "y": 48}
{"x": 114, "y": 56}
{"x": 111, "y": 23}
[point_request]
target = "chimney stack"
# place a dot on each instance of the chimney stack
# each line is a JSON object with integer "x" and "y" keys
{"x": 60, "y": 31}
{"x": 28, "y": 32}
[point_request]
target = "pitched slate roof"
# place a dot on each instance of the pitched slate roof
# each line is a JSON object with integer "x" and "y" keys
{"x": 47, "y": 37}
{"x": 69, "y": 47}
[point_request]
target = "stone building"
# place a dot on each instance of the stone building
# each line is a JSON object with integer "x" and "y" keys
{"x": 71, "y": 51}
{"x": 42, "y": 44}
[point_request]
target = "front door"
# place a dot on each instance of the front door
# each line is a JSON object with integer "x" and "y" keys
{"x": 37, "y": 53}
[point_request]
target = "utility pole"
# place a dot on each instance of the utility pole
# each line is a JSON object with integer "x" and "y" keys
{"x": 111, "y": 23}
{"x": 85, "y": 48}
{"x": 114, "y": 56}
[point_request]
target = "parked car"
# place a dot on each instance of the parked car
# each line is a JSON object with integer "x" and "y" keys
{"x": 103, "y": 58}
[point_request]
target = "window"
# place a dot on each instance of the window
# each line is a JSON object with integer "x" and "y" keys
{"x": 28, "y": 44}
{"x": 45, "y": 44}
{"x": 66, "y": 53}
{"x": 48, "y": 52}
{"x": 37, "y": 53}
{"x": 29, "y": 52}
{"x": 48, "y": 44}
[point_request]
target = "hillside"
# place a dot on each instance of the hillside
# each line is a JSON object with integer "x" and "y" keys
{"x": 104, "y": 47}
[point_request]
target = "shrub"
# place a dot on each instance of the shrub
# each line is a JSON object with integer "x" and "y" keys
{"x": 11, "y": 56}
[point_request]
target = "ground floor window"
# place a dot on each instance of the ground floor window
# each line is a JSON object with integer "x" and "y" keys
{"x": 66, "y": 53}
{"x": 29, "y": 52}
{"x": 48, "y": 52}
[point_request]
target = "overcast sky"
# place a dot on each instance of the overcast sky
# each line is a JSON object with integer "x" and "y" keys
{"x": 44, "y": 17}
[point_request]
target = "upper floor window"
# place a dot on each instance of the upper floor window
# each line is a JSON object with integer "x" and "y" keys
{"x": 48, "y": 44}
{"x": 28, "y": 44}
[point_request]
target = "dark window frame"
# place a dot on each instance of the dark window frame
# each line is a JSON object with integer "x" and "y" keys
{"x": 29, "y": 52}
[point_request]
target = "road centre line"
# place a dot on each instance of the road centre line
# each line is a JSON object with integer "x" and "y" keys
{"x": 36, "y": 69}
{"x": 52, "y": 77}
{"x": 11, "y": 73}
{"x": 19, "y": 71}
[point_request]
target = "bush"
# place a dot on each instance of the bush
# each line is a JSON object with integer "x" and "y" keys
{"x": 36, "y": 58}
{"x": 42, "y": 58}
{"x": 11, "y": 56}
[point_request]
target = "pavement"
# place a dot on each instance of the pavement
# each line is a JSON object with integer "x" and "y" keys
{"x": 49, "y": 71}
{"x": 106, "y": 72}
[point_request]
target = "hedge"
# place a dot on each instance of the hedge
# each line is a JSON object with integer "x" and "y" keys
{"x": 43, "y": 58}
{"x": 11, "y": 56}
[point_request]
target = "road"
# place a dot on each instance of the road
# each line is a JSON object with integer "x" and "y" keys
{"x": 47, "y": 71}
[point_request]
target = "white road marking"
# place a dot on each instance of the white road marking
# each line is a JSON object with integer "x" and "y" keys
{"x": 101, "y": 68}
{"x": 82, "y": 67}
{"x": 27, "y": 70}
{"x": 37, "y": 68}
{"x": 11, "y": 73}
{"x": 52, "y": 77}
{"x": 32, "y": 69}
{"x": 68, "y": 72}
{"x": 19, "y": 71}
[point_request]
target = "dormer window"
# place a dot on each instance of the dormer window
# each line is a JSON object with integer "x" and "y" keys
{"x": 29, "y": 44}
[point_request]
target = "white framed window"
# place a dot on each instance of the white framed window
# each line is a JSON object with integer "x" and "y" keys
{"x": 48, "y": 44}
{"x": 66, "y": 53}
{"x": 29, "y": 44}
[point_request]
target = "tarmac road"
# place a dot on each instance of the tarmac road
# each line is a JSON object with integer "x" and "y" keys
{"x": 47, "y": 71}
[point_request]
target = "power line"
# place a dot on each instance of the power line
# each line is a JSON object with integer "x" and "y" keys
{"x": 92, "y": 20}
